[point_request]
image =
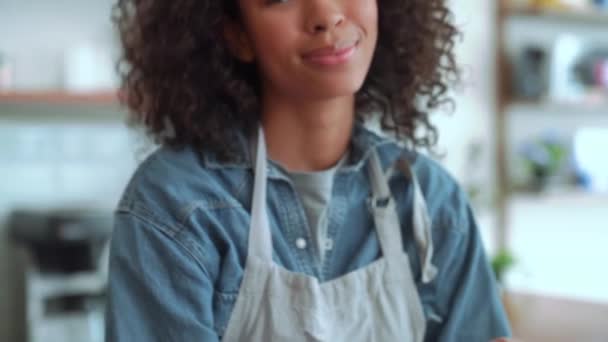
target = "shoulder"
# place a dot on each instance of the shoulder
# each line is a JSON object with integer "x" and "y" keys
{"x": 446, "y": 201}
{"x": 171, "y": 183}
{"x": 434, "y": 178}
{"x": 445, "y": 198}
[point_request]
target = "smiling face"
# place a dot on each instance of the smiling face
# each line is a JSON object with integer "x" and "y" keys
{"x": 307, "y": 49}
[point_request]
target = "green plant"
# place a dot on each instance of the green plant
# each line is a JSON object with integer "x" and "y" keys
{"x": 543, "y": 158}
{"x": 501, "y": 263}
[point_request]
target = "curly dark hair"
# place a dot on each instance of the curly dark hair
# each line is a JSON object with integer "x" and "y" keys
{"x": 177, "y": 69}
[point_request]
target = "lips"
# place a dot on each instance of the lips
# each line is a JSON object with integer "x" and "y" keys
{"x": 329, "y": 50}
{"x": 337, "y": 53}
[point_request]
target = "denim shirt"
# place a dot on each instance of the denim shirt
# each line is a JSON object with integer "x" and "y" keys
{"x": 180, "y": 242}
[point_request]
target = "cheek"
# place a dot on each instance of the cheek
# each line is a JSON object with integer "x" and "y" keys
{"x": 275, "y": 65}
{"x": 276, "y": 54}
{"x": 273, "y": 42}
{"x": 366, "y": 14}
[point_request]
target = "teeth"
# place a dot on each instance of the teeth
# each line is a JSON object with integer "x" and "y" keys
{"x": 343, "y": 44}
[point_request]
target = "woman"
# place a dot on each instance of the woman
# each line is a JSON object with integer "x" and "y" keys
{"x": 270, "y": 212}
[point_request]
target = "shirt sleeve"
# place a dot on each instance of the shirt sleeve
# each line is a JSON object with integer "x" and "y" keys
{"x": 467, "y": 290}
{"x": 157, "y": 290}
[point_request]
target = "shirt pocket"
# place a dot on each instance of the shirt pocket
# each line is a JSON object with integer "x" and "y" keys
{"x": 223, "y": 305}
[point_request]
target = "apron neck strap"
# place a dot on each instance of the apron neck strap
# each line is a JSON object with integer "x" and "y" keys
{"x": 382, "y": 206}
{"x": 260, "y": 239}
{"x": 386, "y": 219}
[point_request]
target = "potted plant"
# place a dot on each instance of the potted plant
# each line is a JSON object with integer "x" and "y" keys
{"x": 543, "y": 159}
{"x": 501, "y": 263}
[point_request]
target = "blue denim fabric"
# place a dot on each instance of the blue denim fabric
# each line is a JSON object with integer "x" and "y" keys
{"x": 180, "y": 242}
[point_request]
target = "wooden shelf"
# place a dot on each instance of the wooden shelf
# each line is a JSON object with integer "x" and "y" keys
{"x": 576, "y": 16}
{"x": 59, "y": 98}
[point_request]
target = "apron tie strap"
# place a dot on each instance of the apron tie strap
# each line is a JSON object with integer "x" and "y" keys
{"x": 421, "y": 221}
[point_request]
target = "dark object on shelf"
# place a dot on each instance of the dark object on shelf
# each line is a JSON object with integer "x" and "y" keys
{"x": 63, "y": 241}
{"x": 531, "y": 75}
{"x": 602, "y": 4}
{"x": 592, "y": 69}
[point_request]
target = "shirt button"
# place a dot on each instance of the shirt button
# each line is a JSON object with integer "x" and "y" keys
{"x": 329, "y": 244}
{"x": 301, "y": 243}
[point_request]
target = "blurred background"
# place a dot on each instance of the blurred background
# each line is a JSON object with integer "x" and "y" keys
{"x": 528, "y": 141}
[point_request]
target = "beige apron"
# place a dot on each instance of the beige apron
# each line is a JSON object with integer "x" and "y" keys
{"x": 376, "y": 303}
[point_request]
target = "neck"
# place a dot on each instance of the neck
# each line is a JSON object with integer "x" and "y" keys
{"x": 310, "y": 136}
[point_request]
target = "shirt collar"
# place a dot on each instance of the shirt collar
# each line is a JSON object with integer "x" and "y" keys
{"x": 363, "y": 142}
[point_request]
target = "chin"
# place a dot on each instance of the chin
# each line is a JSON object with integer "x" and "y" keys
{"x": 338, "y": 89}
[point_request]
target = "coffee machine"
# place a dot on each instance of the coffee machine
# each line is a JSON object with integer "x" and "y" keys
{"x": 66, "y": 271}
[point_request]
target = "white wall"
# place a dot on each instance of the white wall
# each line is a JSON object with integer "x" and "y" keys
{"x": 37, "y": 35}
{"x": 473, "y": 119}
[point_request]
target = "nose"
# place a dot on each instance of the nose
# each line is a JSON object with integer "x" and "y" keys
{"x": 323, "y": 16}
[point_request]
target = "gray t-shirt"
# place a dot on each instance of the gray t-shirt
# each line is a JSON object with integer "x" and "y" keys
{"x": 314, "y": 190}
